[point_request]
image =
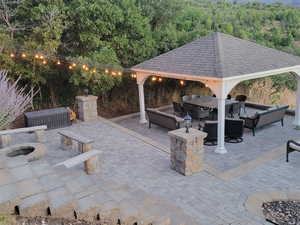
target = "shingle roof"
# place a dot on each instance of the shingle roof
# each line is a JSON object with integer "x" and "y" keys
{"x": 219, "y": 55}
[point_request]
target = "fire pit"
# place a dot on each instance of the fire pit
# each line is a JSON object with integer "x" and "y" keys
{"x": 22, "y": 150}
{"x": 282, "y": 212}
{"x": 31, "y": 151}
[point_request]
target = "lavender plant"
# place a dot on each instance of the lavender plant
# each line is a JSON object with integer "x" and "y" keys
{"x": 13, "y": 100}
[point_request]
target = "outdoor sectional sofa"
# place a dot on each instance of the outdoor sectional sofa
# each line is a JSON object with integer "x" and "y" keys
{"x": 165, "y": 120}
{"x": 266, "y": 117}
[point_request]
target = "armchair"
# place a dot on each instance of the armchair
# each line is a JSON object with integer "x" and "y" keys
{"x": 291, "y": 146}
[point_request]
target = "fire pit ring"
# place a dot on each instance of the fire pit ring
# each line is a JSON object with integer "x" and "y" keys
{"x": 31, "y": 151}
{"x": 256, "y": 204}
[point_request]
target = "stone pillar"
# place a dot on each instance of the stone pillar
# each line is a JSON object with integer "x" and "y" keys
{"x": 187, "y": 150}
{"x": 5, "y": 140}
{"x": 87, "y": 107}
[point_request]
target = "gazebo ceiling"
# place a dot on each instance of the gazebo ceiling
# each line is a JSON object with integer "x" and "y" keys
{"x": 219, "y": 56}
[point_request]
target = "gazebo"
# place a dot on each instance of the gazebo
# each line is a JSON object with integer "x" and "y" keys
{"x": 220, "y": 61}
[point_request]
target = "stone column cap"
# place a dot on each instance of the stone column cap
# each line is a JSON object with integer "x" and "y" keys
{"x": 87, "y": 98}
{"x": 182, "y": 135}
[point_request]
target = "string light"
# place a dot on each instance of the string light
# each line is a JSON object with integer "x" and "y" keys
{"x": 181, "y": 82}
{"x": 160, "y": 79}
{"x": 72, "y": 65}
{"x": 206, "y": 85}
{"x": 154, "y": 78}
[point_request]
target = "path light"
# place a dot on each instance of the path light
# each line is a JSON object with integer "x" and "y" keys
{"x": 154, "y": 79}
{"x": 187, "y": 122}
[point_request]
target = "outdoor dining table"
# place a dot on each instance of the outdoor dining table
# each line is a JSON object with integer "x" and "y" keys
{"x": 208, "y": 102}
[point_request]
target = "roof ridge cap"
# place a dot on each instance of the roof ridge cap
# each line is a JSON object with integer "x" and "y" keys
{"x": 219, "y": 56}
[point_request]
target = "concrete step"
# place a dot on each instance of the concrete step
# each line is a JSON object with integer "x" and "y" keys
{"x": 62, "y": 203}
{"x": 35, "y": 205}
{"x": 88, "y": 208}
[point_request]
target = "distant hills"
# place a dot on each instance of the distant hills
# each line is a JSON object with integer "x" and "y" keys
{"x": 289, "y": 2}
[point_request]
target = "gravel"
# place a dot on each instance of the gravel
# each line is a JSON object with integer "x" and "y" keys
{"x": 282, "y": 212}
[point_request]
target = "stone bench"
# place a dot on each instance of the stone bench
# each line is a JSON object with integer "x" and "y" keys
{"x": 5, "y": 135}
{"x": 90, "y": 159}
{"x": 84, "y": 144}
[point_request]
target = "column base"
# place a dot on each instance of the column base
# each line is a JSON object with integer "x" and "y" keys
{"x": 142, "y": 121}
{"x": 220, "y": 150}
{"x": 296, "y": 123}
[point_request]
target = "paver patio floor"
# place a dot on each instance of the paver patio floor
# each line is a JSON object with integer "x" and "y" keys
{"x": 210, "y": 199}
{"x": 267, "y": 139}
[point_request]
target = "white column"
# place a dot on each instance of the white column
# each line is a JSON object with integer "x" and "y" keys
{"x": 142, "y": 103}
{"x": 297, "y": 107}
{"x": 221, "y": 125}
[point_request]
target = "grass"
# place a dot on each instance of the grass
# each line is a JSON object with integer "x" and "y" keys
{"x": 7, "y": 219}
